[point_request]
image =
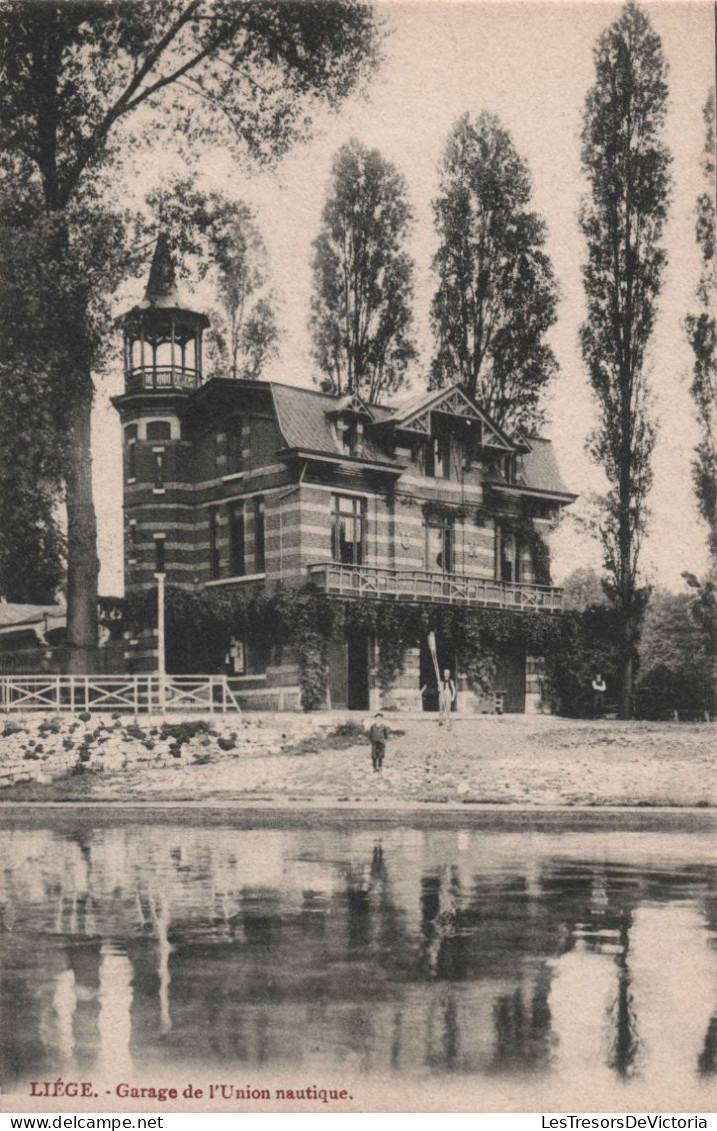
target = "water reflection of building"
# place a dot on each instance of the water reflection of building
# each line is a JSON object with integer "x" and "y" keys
{"x": 457, "y": 952}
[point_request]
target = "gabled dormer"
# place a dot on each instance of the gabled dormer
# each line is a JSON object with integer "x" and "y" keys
{"x": 350, "y": 417}
{"x": 445, "y": 431}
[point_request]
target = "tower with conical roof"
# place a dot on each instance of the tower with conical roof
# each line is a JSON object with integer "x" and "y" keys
{"x": 162, "y": 369}
{"x": 162, "y": 336}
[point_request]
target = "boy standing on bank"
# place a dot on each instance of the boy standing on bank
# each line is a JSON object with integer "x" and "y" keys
{"x": 378, "y": 734}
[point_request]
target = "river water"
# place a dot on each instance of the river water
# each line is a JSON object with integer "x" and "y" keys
{"x": 505, "y": 959}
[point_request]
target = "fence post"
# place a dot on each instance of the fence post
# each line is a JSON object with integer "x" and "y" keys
{"x": 135, "y": 686}
{"x": 72, "y": 693}
{"x": 86, "y": 689}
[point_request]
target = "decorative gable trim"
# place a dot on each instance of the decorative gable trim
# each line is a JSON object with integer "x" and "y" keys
{"x": 452, "y": 402}
{"x": 352, "y": 403}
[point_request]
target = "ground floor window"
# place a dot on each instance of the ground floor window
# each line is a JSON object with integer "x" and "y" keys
{"x": 259, "y": 554}
{"x": 237, "y": 556}
{"x": 214, "y": 564}
{"x": 246, "y": 657}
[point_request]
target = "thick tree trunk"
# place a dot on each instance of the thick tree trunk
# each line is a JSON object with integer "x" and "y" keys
{"x": 627, "y": 670}
{"x": 82, "y": 561}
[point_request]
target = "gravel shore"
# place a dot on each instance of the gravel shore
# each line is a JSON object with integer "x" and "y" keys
{"x": 485, "y": 760}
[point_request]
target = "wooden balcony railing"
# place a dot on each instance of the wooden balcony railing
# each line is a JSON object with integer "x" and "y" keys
{"x": 446, "y": 588}
{"x": 162, "y": 377}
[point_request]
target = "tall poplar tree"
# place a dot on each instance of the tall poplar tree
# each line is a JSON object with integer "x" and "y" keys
{"x": 626, "y": 165}
{"x": 361, "y": 315}
{"x": 73, "y": 76}
{"x": 496, "y": 294}
{"x": 702, "y": 334}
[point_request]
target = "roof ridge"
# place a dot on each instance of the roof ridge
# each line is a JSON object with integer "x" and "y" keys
{"x": 321, "y": 393}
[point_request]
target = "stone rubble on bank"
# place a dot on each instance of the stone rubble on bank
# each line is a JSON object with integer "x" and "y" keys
{"x": 42, "y": 748}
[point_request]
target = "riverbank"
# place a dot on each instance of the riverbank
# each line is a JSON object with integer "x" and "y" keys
{"x": 322, "y": 762}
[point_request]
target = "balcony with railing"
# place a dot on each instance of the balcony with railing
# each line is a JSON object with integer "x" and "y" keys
{"x": 162, "y": 377}
{"x": 439, "y": 588}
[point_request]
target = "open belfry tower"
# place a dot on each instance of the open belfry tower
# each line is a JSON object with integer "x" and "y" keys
{"x": 162, "y": 366}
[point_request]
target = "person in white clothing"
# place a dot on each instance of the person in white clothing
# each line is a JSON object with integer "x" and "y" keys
{"x": 446, "y": 698}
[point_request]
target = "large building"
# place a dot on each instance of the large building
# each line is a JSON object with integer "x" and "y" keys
{"x": 236, "y": 484}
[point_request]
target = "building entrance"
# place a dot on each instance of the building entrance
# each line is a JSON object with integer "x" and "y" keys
{"x": 349, "y": 673}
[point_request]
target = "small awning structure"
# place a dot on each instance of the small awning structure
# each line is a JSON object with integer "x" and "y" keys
{"x": 16, "y": 620}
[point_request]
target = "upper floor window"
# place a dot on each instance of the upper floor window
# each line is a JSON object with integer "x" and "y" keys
{"x": 509, "y": 556}
{"x": 159, "y": 469}
{"x": 214, "y": 563}
{"x": 235, "y": 450}
{"x": 130, "y": 439}
{"x": 351, "y": 432}
{"x": 348, "y": 529}
{"x": 237, "y": 559}
{"x": 159, "y": 555}
{"x": 159, "y": 430}
{"x": 438, "y": 457}
{"x": 259, "y": 553}
{"x": 440, "y": 546}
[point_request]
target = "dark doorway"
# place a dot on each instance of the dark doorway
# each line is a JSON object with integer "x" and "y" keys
{"x": 349, "y": 673}
{"x": 510, "y": 678}
{"x": 358, "y": 671}
{"x": 427, "y": 676}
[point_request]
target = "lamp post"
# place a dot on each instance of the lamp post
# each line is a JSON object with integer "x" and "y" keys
{"x": 161, "y": 653}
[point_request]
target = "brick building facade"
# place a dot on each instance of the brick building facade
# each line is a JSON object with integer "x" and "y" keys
{"x": 249, "y": 484}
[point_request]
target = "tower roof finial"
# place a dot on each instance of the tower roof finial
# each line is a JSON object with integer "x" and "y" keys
{"x": 162, "y": 283}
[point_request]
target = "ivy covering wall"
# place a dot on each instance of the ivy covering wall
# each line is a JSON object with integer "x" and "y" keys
{"x": 308, "y": 619}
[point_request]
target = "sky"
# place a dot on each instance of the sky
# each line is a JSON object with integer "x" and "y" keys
{"x": 531, "y": 65}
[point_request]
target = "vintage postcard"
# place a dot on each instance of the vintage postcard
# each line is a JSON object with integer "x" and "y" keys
{"x": 357, "y": 557}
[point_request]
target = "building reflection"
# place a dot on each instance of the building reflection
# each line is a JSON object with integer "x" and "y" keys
{"x": 464, "y": 952}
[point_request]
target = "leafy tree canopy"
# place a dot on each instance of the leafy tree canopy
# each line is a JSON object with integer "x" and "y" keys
{"x": 496, "y": 296}
{"x": 208, "y": 70}
{"x": 702, "y": 335}
{"x": 584, "y": 589}
{"x": 73, "y": 74}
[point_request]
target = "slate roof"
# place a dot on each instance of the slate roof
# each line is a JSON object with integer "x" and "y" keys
{"x": 305, "y": 418}
{"x": 541, "y": 469}
{"x": 305, "y": 422}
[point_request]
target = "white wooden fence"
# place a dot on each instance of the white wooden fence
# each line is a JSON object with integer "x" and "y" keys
{"x": 135, "y": 694}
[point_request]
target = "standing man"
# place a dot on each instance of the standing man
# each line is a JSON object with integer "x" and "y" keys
{"x": 599, "y": 688}
{"x": 378, "y": 734}
{"x": 446, "y": 698}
